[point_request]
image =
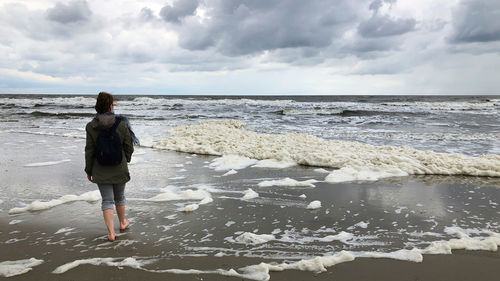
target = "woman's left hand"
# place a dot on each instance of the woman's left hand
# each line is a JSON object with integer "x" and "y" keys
{"x": 89, "y": 177}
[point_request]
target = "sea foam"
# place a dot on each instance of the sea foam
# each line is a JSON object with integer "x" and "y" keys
{"x": 191, "y": 208}
{"x": 287, "y": 182}
{"x": 354, "y": 160}
{"x": 37, "y": 205}
{"x": 230, "y": 172}
{"x": 252, "y": 238}
{"x": 129, "y": 262}
{"x": 250, "y": 194}
{"x": 13, "y": 268}
{"x": 262, "y": 270}
{"x": 316, "y": 204}
{"x": 49, "y": 163}
{"x": 188, "y": 194}
{"x": 231, "y": 162}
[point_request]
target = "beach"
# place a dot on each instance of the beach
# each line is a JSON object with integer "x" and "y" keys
{"x": 385, "y": 216}
{"x": 225, "y": 199}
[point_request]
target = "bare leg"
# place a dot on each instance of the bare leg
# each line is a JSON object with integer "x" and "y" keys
{"x": 124, "y": 223}
{"x": 109, "y": 216}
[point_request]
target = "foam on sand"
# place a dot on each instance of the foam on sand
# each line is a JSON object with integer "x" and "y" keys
{"x": 317, "y": 264}
{"x": 230, "y": 172}
{"x": 206, "y": 200}
{"x": 90, "y": 196}
{"x": 464, "y": 242}
{"x": 254, "y": 239}
{"x": 368, "y": 161}
{"x": 250, "y": 194}
{"x": 351, "y": 174}
{"x": 231, "y": 162}
{"x": 50, "y": 163}
{"x": 288, "y": 182}
{"x": 342, "y": 237}
{"x": 138, "y": 264}
{"x": 261, "y": 272}
{"x": 13, "y": 268}
{"x": 130, "y": 262}
{"x": 320, "y": 264}
{"x": 360, "y": 224}
{"x": 65, "y": 230}
{"x": 316, "y": 204}
{"x": 188, "y": 194}
{"x": 191, "y": 208}
{"x": 414, "y": 255}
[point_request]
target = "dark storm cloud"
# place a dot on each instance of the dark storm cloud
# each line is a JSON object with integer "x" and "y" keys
{"x": 241, "y": 27}
{"x": 476, "y": 21}
{"x": 75, "y": 11}
{"x": 178, "y": 10}
{"x": 384, "y": 25}
{"x": 380, "y": 26}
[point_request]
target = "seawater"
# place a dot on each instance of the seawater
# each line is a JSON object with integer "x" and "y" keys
{"x": 453, "y": 124}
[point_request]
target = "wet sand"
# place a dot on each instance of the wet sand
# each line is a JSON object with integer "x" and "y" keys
{"x": 462, "y": 265}
{"x": 160, "y": 231}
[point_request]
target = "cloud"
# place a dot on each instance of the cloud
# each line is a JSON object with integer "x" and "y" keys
{"x": 377, "y": 4}
{"x": 370, "y": 48}
{"x": 73, "y": 12}
{"x": 178, "y": 10}
{"x": 476, "y": 21}
{"x": 242, "y": 27}
{"x": 380, "y": 26}
{"x": 384, "y": 25}
{"x": 63, "y": 21}
{"x": 250, "y": 46}
{"x": 146, "y": 14}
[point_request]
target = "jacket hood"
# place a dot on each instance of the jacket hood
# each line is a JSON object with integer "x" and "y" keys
{"x": 103, "y": 121}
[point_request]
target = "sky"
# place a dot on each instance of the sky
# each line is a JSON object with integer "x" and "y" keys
{"x": 250, "y": 47}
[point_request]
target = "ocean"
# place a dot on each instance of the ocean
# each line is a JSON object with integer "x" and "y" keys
{"x": 453, "y": 124}
{"x": 229, "y": 187}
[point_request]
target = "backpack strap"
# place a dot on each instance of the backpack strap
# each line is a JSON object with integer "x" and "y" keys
{"x": 115, "y": 125}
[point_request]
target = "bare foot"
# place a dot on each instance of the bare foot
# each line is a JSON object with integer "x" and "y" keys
{"x": 111, "y": 237}
{"x": 125, "y": 225}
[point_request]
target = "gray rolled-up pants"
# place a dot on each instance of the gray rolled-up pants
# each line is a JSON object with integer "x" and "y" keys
{"x": 112, "y": 194}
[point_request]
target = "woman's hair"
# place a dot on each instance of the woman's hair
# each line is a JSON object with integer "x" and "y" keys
{"x": 104, "y": 102}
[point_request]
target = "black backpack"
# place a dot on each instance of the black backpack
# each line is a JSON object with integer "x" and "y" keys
{"x": 109, "y": 146}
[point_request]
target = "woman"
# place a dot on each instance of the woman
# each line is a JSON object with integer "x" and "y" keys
{"x": 109, "y": 176}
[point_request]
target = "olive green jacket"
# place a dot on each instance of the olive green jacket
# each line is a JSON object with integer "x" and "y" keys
{"x": 117, "y": 174}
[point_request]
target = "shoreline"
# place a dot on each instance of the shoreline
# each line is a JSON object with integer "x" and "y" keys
{"x": 385, "y": 216}
{"x": 461, "y": 265}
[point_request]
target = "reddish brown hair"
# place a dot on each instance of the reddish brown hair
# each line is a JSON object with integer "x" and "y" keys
{"x": 104, "y": 102}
